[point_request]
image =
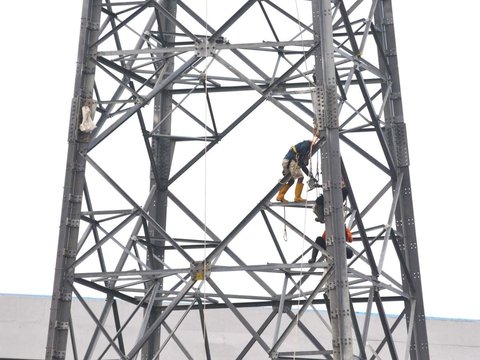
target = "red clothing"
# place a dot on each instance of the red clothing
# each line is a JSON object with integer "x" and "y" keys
{"x": 348, "y": 235}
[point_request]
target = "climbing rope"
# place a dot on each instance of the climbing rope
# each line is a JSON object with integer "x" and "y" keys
{"x": 204, "y": 78}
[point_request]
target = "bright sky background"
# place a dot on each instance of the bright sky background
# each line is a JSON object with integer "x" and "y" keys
{"x": 439, "y": 78}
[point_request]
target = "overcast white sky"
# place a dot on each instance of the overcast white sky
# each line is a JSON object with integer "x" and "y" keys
{"x": 439, "y": 78}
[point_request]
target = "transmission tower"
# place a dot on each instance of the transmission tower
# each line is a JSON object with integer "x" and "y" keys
{"x": 171, "y": 242}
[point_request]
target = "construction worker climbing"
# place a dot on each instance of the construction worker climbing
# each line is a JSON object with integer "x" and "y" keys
{"x": 321, "y": 241}
{"x": 319, "y": 207}
{"x": 294, "y": 162}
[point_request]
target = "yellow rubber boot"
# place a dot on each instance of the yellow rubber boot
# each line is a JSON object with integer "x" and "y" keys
{"x": 298, "y": 192}
{"x": 281, "y": 193}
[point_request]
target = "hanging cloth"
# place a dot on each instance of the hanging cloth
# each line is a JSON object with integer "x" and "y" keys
{"x": 88, "y": 112}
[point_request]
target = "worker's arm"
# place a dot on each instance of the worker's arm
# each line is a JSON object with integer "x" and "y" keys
{"x": 304, "y": 167}
{"x": 302, "y": 160}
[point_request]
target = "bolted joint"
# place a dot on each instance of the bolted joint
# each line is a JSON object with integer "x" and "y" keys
{"x": 78, "y": 167}
{"x": 326, "y": 186}
{"x": 342, "y": 342}
{"x": 325, "y": 106}
{"x": 75, "y": 199}
{"x": 69, "y": 253}
{"x": 273, "y": 355}
{"x": 63, "y": 295}
{"x": 387, "y": 21}
{"x": 204, "y": 48}
{"x": 318, "y": 101}
{"x": 61, "y": 325}
{"x": 421, "y": 318}
{"x": 56, "y": 354}
{"x": 91, "y": 25}
{"x": 328, "y": 210}
{"x": 337, "y": 313}
{"x": 200, "y": 270}
{"x": 332, "y": 285}
{"x": 70, "y": 274}
{"x": 73, "y": 223}
{"x": 330, "y": 239}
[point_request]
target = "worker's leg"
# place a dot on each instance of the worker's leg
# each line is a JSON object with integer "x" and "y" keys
{"x": 297, "y": 174}
{"x": 321, "y": 242}
{"x": 298, "y": 190}
{"x": 349, "y": 253}
{"x": 283, "y": 190}
{"x": 314, "y": 255}
{"x": 318, "y": 209}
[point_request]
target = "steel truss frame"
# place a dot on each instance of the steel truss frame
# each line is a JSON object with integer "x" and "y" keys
{"x": 206, "y": 77}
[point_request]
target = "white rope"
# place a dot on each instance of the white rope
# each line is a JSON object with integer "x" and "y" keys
{"x": 206, "y": 115}
{"x": 306, "y": 199}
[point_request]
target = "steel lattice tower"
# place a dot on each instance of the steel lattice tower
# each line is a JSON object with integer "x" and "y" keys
{"x": 189, "y": 102}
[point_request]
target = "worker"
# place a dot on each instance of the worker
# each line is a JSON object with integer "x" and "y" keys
{"x": 294, "y": 162}
{"x": 319, "y": 207}
{"x": 321, "y": 241}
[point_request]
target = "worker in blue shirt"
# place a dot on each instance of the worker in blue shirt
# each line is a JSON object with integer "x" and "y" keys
{"x": 295, "y": 164}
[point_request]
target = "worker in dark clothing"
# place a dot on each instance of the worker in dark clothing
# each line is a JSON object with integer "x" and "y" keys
{"x": 319, "y": 207}
{"x": 321, "y": 241}
{"x": 294, "y": 162}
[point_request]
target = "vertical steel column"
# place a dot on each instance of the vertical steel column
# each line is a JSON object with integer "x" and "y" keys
{"x": 162, "y": 148}
{"x": 397, "y": 141}
{"x": 325, "y": 100}
{"x": 78, "y": 141}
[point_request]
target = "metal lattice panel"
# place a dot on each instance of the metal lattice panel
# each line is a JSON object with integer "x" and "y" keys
{"x": 169, "y": 208}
